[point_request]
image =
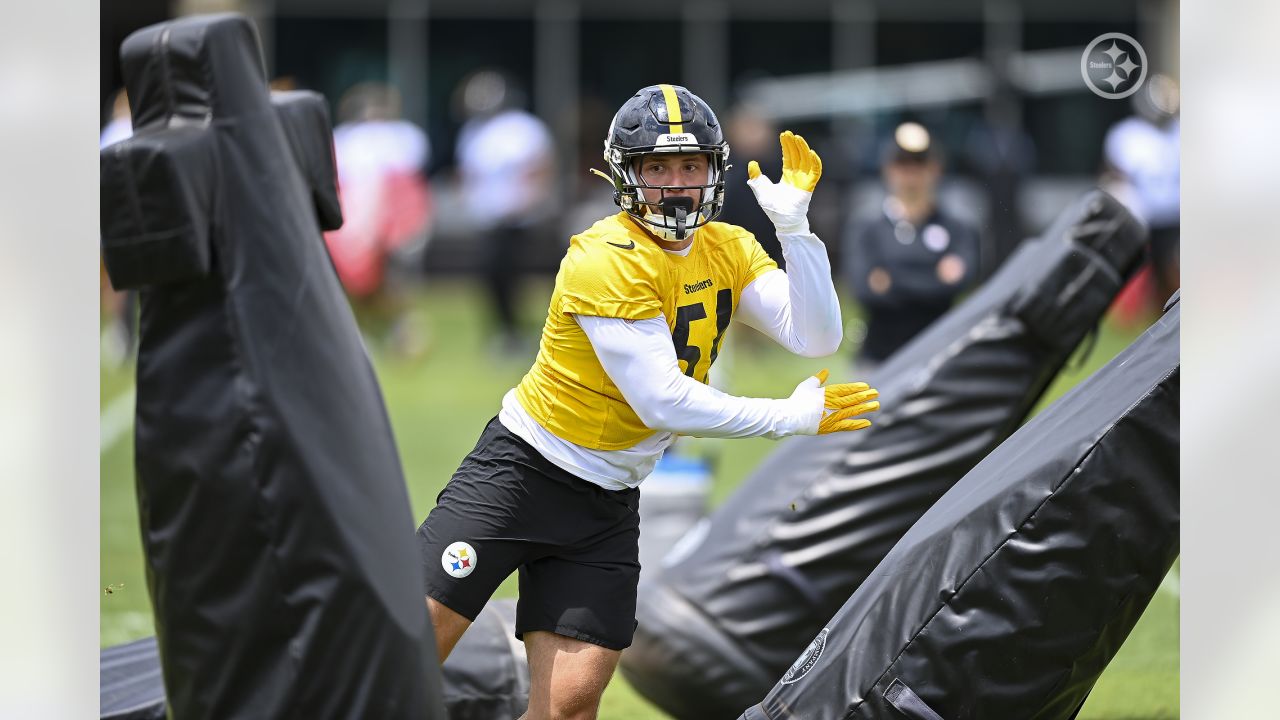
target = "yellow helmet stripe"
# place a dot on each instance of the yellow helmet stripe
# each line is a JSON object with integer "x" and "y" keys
{"x": 673, "y": 108}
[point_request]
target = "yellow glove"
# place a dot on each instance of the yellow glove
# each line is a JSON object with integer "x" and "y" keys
{"x": 833, "y": 408}
{"x": 787, "y": 203}
{"x": 842, "y": 402}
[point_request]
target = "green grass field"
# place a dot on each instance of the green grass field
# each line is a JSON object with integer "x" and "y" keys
{"x": 438, "y": 405}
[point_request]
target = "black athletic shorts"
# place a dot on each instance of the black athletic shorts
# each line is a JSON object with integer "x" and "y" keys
{"x": 575, "y": 544}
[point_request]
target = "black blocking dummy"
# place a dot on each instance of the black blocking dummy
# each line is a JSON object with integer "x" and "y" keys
{"x": 487, "y": 675}
{"x": 129, "y": 682}
{"x": 1012, "y": 593}
{"x": 740, "y": 597}
{"x": 275, "y": 520}
{"x": 485, "y": 678}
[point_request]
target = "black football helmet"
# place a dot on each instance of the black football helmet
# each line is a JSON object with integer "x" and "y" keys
{"x": 666, "y": 118}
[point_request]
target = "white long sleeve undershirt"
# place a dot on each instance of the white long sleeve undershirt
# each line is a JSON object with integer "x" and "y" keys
{"x": 797, "y": 308}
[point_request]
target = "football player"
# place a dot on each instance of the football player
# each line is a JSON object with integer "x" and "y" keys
{"x": 640, "y": 308}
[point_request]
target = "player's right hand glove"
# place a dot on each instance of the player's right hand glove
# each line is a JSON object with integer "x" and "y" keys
{"x": 834, "y": 408}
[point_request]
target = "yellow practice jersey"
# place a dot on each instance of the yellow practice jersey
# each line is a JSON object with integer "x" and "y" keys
{"x": 616, "y": 270}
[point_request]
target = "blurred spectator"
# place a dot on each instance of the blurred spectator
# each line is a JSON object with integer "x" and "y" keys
{"x": 1142, "y": 170}
{"x": 118, "y": 309}
{"x": 120, "y": 126}
{"x": 908, "y": 264}
{"x": 386, "y": 208}
{"x": 752, "y": 137}
{"x": 1003, "y": 156}
{"x": 588, "y": 204}
{"x": 505, "y": 165}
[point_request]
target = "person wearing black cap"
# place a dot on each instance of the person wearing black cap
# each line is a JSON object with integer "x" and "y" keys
{"x": 909, "y": 263}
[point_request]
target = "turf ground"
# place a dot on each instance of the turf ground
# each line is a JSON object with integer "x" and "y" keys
{"x": 440, "y": 402}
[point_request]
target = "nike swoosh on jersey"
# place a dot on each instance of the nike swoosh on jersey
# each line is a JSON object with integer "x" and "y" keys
{"x": 624, "y": 247}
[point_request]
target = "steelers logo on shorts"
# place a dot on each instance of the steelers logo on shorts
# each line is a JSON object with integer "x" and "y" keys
{"x": 459, "y": 559}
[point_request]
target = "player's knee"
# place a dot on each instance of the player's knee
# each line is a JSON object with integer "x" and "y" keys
{"x": 580, "y": 703}
{"x": 578, "y": 697}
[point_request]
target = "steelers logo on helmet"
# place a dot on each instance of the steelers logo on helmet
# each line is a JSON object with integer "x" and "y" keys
{"x": 459, "y": 559}
{"x": 666, "y": 119}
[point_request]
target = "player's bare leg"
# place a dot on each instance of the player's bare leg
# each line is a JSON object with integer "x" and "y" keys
{"x": 567, "y": 677}
{"x": 448, "y": 626}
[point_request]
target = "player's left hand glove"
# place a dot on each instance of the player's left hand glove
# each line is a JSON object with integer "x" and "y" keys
{"x": 839, "y": 404}
{"x": 787, "y": 202}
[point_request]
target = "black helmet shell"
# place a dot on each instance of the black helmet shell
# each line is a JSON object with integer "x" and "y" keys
{"x": 665, "y": 118}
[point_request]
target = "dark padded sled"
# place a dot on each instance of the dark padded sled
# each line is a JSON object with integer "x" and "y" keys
{"x": 485, "y": 678}
{"x": 784, "y": 552}
{"x": 275, "y": 519}
{"x": 487, "y": 675}
{"x": 1011, "y": 595}
{"x": 129, "y": 682}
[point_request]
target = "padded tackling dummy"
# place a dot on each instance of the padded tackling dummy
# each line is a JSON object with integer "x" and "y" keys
{"x": 1012, "y": 593}
{"x": 129, "y": 682}
{"x": 485, "y": 678}
{"x": 673, "y": 499}
{"x": 275, "y": 520}
{"x": 737, "y": 603}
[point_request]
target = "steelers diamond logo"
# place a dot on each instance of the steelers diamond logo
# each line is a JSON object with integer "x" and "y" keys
{"x": 1114, "y": 66}
{"x": 459, "y": 559}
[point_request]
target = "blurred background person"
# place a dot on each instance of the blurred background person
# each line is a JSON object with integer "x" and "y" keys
{"x": 753, "y": 137}
{"x": 118, "y": 309}
{"x": 120, "y": 126}
{"x": 1002, "y": 156}
{"x": 1142, "y": 169}
{"x": 506, "y": 171}
{"x": 908, "y": 264}
{"x": 386, "y": 210}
